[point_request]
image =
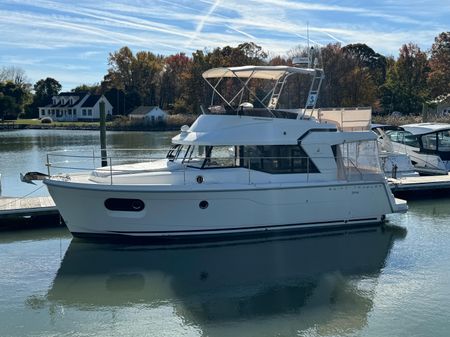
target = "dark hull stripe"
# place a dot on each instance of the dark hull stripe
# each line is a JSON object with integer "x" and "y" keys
{"x": 224, "y": 234}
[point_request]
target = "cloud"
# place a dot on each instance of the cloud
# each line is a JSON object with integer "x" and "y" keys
{"x": 81, "y": 35}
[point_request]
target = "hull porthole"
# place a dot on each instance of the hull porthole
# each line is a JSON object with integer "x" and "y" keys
{"x": 124, "y": 205}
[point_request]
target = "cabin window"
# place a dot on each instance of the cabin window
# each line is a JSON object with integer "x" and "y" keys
{"x": 429, "y": 142}
{"x": 358, "y": 158}
{"x": 211, "y": 156}
{"x": 277, "y": 159}
{"x": 403, "y": 137}
{"x": 443, "y": 138}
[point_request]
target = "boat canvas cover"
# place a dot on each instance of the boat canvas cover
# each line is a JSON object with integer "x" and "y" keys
{"x": 346, "y": 119}
{"x": 260, "y": 72}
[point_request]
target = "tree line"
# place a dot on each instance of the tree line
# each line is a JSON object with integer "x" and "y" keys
{"x": 355, "y": 75}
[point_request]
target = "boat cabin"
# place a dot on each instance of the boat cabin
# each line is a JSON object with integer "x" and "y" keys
{"x": 428, "y": 138}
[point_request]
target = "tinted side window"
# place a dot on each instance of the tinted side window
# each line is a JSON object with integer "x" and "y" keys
{"x": 277, "y": 159}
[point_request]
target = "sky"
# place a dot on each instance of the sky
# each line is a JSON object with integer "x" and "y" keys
{"x": 71, "y": 40}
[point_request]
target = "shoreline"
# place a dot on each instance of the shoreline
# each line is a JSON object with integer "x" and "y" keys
{"x": 97, "y": 128}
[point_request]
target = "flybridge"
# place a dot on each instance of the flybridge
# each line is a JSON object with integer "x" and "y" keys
{"x": 278, "y": 75}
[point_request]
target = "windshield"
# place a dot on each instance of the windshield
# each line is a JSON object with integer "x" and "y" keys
{"x": 204, "y": 156}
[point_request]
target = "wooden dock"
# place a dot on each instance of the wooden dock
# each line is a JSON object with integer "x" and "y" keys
{"x": 420, "y": 186}
{"x": 22, "y": 207}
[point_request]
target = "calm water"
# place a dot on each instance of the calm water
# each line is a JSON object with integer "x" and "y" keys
{"x": 26, "y": 150}
{"x": 385, "y": 281}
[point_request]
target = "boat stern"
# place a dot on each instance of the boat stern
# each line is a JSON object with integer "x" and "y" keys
{"x": 400, "y": 206}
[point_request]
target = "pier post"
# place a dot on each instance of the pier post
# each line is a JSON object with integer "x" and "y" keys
{"x": 103, "y": 134}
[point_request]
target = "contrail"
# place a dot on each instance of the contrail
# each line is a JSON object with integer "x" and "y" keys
{"x": 202, "y": 22}
{"x": 334, "y": 38}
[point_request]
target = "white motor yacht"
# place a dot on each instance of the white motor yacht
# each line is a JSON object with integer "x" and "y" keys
{"x": 238, "y": 170}
{"x": 426, "y": 144}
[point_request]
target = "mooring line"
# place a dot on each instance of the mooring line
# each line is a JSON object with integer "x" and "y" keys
{"x": 20, "y": 198}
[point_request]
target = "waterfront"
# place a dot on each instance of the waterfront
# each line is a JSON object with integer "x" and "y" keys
{"x": 26, "y": 150}
{"x": 385, "y": 281}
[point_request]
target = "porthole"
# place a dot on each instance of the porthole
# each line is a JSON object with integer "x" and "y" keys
{"x": 126, "y": 205}
{"x": 199, "y": 179}
{"x": 203, "y": 204}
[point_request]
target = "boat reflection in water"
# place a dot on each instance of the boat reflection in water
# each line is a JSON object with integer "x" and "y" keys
{"x": 268, "y": 286}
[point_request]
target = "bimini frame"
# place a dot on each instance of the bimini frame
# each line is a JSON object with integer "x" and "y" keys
{"x": 279, "y": 74}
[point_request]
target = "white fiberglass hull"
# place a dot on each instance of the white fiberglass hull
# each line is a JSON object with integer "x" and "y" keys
{"x": 169, "y": 213}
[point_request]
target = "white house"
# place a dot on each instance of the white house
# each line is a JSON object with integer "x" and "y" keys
{"x": 149, "y": 113}
{"x": 442, "y": 105}
{"x": 72, "y": 106}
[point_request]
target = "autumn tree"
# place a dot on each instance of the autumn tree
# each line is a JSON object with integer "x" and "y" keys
{"x": 93, "y": 89}
{"x": 173, "y": 79}
{"x": 137, "y": 75}
{"x": 347, "y": 81}
{"x": 406, "y": 88}
{"x": 44, "y": 90}
{"x": 195, "y": 91}
{"x": 439, "y": 76}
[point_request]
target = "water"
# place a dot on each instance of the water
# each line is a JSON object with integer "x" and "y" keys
{"x": 384, "y": 281}
{"x": 26, "y": 150}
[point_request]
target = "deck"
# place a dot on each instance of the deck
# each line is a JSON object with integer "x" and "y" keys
{"x": 19, "y": 207}
{"x": 420, "y": 184}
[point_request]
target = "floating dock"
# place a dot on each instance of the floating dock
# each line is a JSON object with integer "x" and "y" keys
{"x": 421, "y": 186}
{"x": 11, "y": 207}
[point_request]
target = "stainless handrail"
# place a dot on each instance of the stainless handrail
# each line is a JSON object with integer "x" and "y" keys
{"x": 348, "y": 164}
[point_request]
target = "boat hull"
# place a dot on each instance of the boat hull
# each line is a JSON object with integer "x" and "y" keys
{"x": 175, "y": 214}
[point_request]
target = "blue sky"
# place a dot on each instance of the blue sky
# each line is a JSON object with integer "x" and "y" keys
{"x": 70, "y": 40}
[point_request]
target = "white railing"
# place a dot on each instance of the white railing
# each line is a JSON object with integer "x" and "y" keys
{"x": 67, "y": 162}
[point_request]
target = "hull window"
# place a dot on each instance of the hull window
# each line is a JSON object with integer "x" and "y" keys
{"x": 124, "y": 205}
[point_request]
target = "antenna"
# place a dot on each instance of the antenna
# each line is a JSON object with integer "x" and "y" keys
{"x": 307, "y": 40}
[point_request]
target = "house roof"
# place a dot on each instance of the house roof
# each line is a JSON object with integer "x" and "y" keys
{"x": 80, "y": 97}
{"x": 91, "y": 101}
{"x": 143, "y": 110}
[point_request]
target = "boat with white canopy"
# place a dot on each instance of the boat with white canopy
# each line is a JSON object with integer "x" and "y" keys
{"x": 426, "y": 144}
{"x": 246, "y": 166}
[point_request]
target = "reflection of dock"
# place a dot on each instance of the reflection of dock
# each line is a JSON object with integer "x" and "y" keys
{"x": 11, "y": 207}
{"x": 420, "y": 186}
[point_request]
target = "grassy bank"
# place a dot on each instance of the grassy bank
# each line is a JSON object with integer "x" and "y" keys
{"x": 173, "y": 122}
